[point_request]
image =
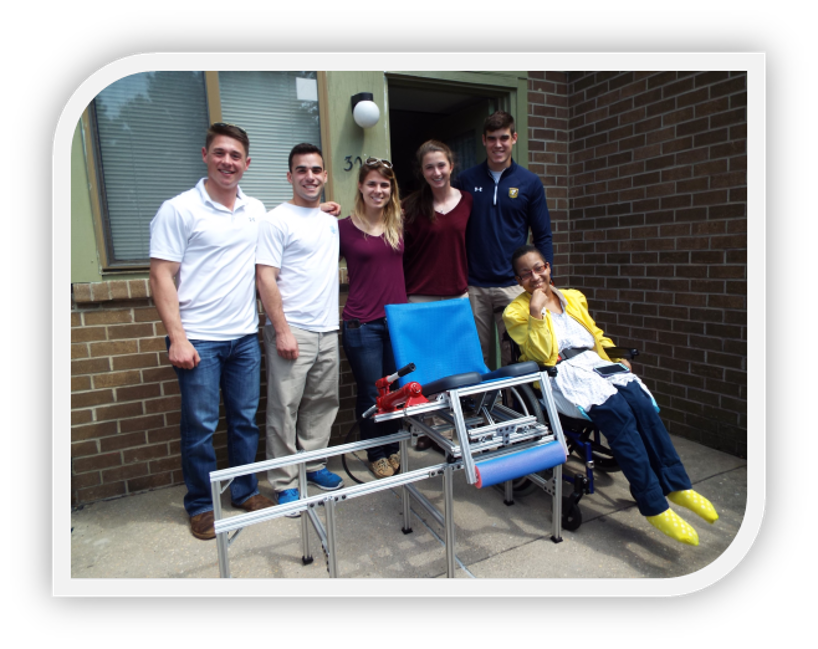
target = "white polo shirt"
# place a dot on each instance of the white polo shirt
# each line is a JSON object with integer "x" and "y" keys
{"x": 216, "y": 249}
{"x": 303, "y": 244}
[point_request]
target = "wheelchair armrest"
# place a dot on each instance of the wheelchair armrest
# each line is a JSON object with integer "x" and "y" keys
{"x": 621, "y": 352}
{"x": 551, "y": 370}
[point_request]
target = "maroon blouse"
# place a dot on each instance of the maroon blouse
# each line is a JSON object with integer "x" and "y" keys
{"x": 435, "y": 260}
{"x": 375, "y": 272}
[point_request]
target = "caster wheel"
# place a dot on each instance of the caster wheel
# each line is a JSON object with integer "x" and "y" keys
{"x": 571, "y": 515}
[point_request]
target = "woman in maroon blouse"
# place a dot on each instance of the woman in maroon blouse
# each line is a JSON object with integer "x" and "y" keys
{"x": 435, "y": 219}
{"x": 434, "y": 259}
{"x": 372, "y": 244}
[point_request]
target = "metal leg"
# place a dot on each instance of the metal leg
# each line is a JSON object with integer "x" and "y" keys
{"x": 306, "y": 557}
{"x": 508, "y": 486}
{"x": 404, "y": 467}
{"x": 221, "y": 538}
{"x": 448, "y": 477}
{"x": 556, "y": 507}
{"x": 332, "y": 564}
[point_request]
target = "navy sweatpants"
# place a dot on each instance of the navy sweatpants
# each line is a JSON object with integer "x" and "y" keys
{"x": 642, "y": 447}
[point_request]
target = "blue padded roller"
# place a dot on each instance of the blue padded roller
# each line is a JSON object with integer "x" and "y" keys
{"x": 516, "y": 465}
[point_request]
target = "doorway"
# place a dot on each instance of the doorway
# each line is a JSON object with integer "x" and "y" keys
{"x": 421, "y": 110}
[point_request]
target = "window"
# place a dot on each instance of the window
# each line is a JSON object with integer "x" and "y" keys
{"x": 149, "y": 130}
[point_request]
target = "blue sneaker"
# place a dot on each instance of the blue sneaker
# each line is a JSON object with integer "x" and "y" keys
{"x": 288, "y": 496}
{"x": 325, "y": 480}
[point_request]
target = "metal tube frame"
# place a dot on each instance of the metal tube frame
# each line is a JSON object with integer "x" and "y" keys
{"x": 510, "y": 433}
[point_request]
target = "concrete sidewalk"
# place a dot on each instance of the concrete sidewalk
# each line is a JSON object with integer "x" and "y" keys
{"x": 147, "y": 535}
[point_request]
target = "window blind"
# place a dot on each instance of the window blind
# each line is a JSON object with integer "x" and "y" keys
{"x": 278, "y": 110}
{"x": 150, "y": 132}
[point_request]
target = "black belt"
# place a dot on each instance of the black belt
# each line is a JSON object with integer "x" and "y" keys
{"x": 565, "y": 354}
{"x": 354, "y": 323}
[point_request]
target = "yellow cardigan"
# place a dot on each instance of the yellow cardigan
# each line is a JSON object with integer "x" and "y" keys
{"x": 536, "y": 338}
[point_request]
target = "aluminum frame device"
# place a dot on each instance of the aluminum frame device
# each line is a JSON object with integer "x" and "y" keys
{"x": 446, "y": 392}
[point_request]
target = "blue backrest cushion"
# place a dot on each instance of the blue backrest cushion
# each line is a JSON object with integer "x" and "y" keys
{"x": 440, "y": 338}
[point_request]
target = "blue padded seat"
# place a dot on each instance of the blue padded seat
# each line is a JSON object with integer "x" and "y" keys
{"x": 441, "y": 339}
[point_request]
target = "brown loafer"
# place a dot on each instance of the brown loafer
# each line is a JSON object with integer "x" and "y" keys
{"x": 201, "y": 526}
{"x": 254, "y": 503}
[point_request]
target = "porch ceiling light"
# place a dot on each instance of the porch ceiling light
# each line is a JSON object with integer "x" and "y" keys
{"x": 365, "y": 112}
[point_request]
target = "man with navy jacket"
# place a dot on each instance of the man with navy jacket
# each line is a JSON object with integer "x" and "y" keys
{"x": 509, "y": 201}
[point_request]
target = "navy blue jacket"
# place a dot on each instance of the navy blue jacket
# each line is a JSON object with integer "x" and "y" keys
{"x": 500, "y": 220}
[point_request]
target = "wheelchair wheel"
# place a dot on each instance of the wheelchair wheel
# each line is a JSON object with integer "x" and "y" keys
{"x": 523, "y": 399}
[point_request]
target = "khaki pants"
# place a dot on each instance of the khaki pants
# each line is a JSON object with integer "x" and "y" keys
{"x": 302, "y": 400}
{"x": 487, "y": 305}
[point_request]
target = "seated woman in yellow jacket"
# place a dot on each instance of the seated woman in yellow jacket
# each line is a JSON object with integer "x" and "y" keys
{"x": 553, "y": 326}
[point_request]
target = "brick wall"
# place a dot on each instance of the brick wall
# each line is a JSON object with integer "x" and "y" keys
{"x": 656, "y": 229}
{"x": 125, "y": 397}
{"x": 548, "y": 154}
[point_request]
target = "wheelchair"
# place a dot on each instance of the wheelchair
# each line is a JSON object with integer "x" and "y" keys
{"x": 584, "y": 440}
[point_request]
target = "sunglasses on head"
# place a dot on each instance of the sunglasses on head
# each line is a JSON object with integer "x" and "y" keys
{"x": 374, "y": 162}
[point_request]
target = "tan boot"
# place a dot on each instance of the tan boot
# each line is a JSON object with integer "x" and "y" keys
{"x": 381, "y": 468}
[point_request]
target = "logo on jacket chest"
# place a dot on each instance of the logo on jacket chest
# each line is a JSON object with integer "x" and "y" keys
{"x": 513, "y": 192}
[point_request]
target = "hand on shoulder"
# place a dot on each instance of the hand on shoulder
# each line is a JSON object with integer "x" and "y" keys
{"x": 331, "y": 207}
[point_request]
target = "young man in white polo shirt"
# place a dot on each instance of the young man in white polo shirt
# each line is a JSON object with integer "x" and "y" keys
{"x": 297, "y": 274}
{"x": 202, "y": 277}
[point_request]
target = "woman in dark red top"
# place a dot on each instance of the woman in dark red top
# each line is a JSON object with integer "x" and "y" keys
{"x": 372, "y": 244}
{"x": 435, "y": 219}
{"x": 434, "y": 259}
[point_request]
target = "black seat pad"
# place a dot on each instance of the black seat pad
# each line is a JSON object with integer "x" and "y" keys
{"x": 510, "y": 371}
{"x": 451, "y": 382}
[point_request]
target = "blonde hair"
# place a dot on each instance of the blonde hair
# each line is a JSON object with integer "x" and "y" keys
{"x": 392, "y": 220}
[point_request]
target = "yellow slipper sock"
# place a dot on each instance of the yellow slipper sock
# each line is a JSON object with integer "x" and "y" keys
{"x": 668, "y": 522}
{"x": 696, "y": 503}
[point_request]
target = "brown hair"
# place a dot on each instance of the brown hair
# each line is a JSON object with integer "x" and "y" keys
{"x": 303, "y": 149}
{"x": 229, "y": 130}
{"x": 499, "y": 120}
{"x": 421, "y": 202}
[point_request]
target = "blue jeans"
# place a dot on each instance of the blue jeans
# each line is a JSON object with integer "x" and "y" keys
{"x": 235, "y": 367}
{"x": 369, "y": 352}
{"x": 642, "y": 447}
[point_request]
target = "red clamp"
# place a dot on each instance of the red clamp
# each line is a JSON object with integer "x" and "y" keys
{"x": 410, "y": 394}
